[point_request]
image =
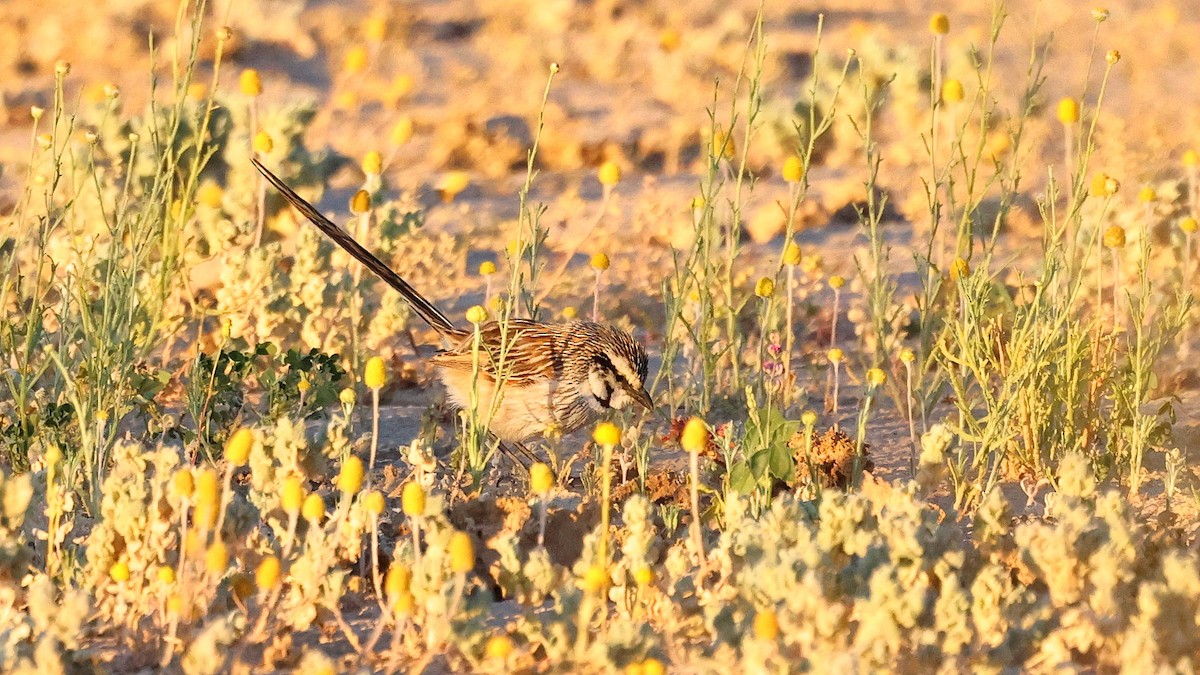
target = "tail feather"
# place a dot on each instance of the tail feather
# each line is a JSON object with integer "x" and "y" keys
{"x": 425, "y": 309}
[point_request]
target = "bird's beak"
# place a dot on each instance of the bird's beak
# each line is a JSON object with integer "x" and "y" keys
{"x": 642, "y": 397}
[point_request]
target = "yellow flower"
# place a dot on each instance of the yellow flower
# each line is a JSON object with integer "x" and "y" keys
{"x": 766, "y": 626}
{"x": 876, "y": 377}
{"x": 166, "y": 574}
{"x": 360, "y": 203}
{"x": 939, "y": 24}
{"x": 765, "y": 287}
{"x": 907, "y": 356}
{"x": 372, "y": 163}
{"x": 477, "y": 314}
{"x": 836, "y": 355}
{"x": 487, "y": 268}
{"x": 119, "y": 572}
{"x": 610, "y": 173}
{"x": 208, "y": 486}
{"x": 570, "y": 313}
{"x": 1068, "y": 110}
{"x": 174, "y": 605}
{"x": 348, "y": 397}
{"x": 412, "y": 500}
{"x": 952, "y": 91}
{"x": 375, "y": 28}
{"x": 210, "y": 194}
{"x": 398, "y": 579}
{"x": 374, "y": 502}
{"x": 600, "y": 261}
{"x": 653, "y": 666}
{"x": 791, "y": 254}
{"x": 669, "y": 39}
{"x": 837, "y": 281}
{"x": 263, "y": 143}
{"x": 1112, "y": 57}
{"x": 960, "y": 269}
{"x": 1100, "y": 14}
{"x": 643, "y": 576}
{"x": 356, "y": 60}
{"x": 1111, "y": 186}
{"x": 462, "y": 553}
{"x": 313, "y": 509}
{"x": 196, "y": 91}
{"x": 1189, "y": 225}
{"x": 375, "y": 373}
{"x": 606, "y": 433}
{"x": 1191, "y": 158}
{"x": 722, "y": 145}
{"x": 237, "y": 448}
{"x": 595, "y": 580}
{"x": 54, "y": 456}
{"x": 453, "y": 183}
{"x": 402, "y": 130}
{"x": 793, "y": 169}
{"x": 250, "y": 83}
{"x": 292, "y": 496}
{"x": 350, "y": 478}
{"x": 1114, "y": 237}
{"x": 498, "y": 647}
{"x": 185, "y": 483}
{"x": 216, "y": 558}
{"x": 404, "y": 604}
{"x": 541, "y": 478}
{"x": 808, "y": 418}
{"x": 1147, "y": 194}
{"x": 266, "y": 575}
{"x": 694, "y": 437}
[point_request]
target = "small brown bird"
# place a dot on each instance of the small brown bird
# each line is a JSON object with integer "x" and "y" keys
{"x": 552, "y": 375}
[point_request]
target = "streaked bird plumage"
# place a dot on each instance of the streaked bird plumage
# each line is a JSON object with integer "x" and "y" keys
{"x": 551, "y": 375}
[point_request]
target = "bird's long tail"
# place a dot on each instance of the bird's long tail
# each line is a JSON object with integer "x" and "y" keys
{"x": 427, "y": 311}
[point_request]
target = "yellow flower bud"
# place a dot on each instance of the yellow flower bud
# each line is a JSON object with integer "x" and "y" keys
{"x": 250, "y": 83}
{"x": 1100, "y": 14}
{"x": 263, "y": 143}
{"x": 791, "y": 254}
{"x": 462, "y": 553}
{"x": 1112, "y": 57}
{"x": 1191, "y": 158}
{"x": 952, "y": 91}
{"x": 939, "y": 24}
{"x": 1114, "y": 237}
{"x": 375, "y": 373}
{"x": 404, "y": 604}
{"x": 237, "y": 448}
{"x": 453, "y": 183}
{"x": 907, "y": 356}
{"x": 793, "y": 169}
{"x": 402, "y": 130}
{"x": 498, "y": 647}
{"x": 397, "y": 580}
{"x": 599, "y": 261}
{"x": 766, "y": 626}
{"x": 487, "y": 268}
{"x": 596, "y": 580}
{"x": 313, "y": 509}
{"x": 722, "y": 145}
{"x": 836, "y": 282}
{"x": 541, "y": 478}
{"x": 1068, "y": 111}
{"x": 174, "y": 605}
{"x": 356, "y": 60}
{"x": 808, "y": 418}
{"x": 570, "y": 313}
{"x": 208, "y": 486}
{"x": 360, "y": 203}
{"x": 185, "y": 483}
{"x": 412, "y": 499}
{"x": 643, "y": 576}
{"x": 477, "y": 314}
{"x": 1099, "y": 185}
{"x": 1189, "y": 225}
{"x": 210, "y": 194}
{"x": 765, "y": 287}
{"x": 374, "y": 502}
{"x": 372, "y": 163}
{"x": 1147, "y": 194}
{"x": 119, "y": 572}
{"x": 653, "y": 666}
{"x": 375, "y": 28}
{"x": 350, "y": 478}
{"x": 606, "y": 433}
{"x": 266, "y": 575}
{"x": 348, "y": 397}
{"x": 216, "y": 558}
{"x": 836, "y": 355}
{"x": 610, "y": 173}
{"x": 876, "y": 377}
{"x": 669, "y": 39}
{"x": 960, "y": 269}
{"x": 292, "y": 496}
{"x": 694, "y": 437}
{"x": 166, "y": 574}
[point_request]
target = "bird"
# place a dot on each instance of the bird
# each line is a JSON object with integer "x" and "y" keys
{"x": 548, "y": 376}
